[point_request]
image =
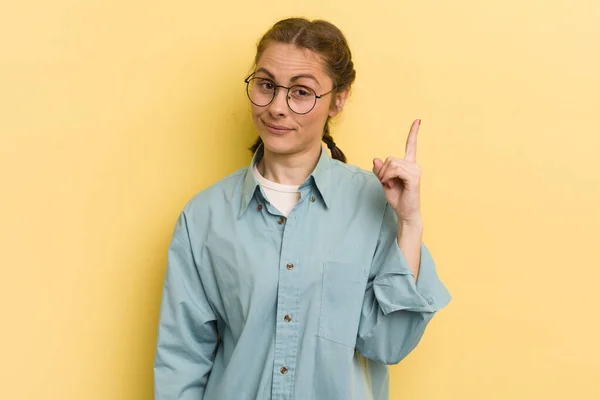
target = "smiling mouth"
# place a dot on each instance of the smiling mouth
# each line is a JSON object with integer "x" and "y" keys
{"x": 277, "y": 128}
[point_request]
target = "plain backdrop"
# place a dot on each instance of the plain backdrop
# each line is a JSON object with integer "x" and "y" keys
{"x": 113, "y": 114}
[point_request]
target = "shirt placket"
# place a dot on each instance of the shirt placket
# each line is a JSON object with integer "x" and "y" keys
{"x": 288, "y": 306}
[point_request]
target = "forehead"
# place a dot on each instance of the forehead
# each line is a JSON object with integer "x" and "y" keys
{"x": 285, "y": 61}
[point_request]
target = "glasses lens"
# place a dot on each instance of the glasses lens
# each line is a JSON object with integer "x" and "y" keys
{"x": 261, "y": 91}
{"x": 302, "y": 99}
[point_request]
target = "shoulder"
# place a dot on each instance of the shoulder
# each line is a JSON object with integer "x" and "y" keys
{"x": 218, "y": 195}
{"x": 353, "y": 181}
{"x": 355, "y": 175}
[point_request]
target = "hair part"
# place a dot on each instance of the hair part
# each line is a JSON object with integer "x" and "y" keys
{"x": 326, "y": 40}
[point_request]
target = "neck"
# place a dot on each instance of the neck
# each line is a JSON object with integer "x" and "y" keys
{"x": 289, "y": 169}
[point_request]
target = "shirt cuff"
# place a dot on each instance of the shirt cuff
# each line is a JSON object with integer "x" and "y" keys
{"x": 395, "y": 287}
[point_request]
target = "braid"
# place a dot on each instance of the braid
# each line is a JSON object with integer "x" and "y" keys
{"x": 255, "y": 145}
{"x": 335, "y": 151}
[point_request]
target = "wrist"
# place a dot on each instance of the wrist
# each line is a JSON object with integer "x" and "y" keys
{"x": 410, "y": 229}
{"x": 413, "y": 224}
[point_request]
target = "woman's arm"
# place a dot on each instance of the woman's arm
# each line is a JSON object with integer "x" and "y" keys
{"x": 187, "y": 334}
{"x": 410, "y": 235}
{"x": 396, "y": 307}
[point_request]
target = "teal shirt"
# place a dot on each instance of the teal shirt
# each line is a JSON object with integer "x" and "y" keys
{"x": 309, "y": 307}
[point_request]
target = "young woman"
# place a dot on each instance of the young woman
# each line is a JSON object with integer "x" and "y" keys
{"x": 298, "y": 277}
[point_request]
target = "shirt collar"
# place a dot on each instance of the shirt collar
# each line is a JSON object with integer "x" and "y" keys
{"x": 321, "y": 176}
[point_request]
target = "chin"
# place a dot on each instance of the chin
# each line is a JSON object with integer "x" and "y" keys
{"x": 278, "y": 145}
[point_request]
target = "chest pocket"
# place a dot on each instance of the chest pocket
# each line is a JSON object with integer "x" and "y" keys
{"x": 342, "y": 296}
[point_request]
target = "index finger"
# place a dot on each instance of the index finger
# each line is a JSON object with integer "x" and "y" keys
{"x": 411, "y": 142}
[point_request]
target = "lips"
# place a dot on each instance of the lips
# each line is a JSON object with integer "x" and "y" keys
{"x": 277, "y": 129}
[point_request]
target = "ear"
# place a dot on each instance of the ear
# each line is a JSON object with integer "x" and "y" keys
{"x": 339, "y": 101}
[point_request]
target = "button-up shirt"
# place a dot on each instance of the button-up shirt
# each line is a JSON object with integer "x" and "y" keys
{"x": 312, "y": 306}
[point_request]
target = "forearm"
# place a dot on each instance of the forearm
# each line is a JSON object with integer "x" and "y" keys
{"x": 396, "y": 308}
{"x": 410, "y": 235}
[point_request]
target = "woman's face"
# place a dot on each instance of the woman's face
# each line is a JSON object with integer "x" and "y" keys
{"x": 282, "y": 130}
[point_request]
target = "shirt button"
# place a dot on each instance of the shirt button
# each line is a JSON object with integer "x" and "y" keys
{"x": 284, "y": 370}
{"x": 259, "y": 207}
{"x": 290, "y": 266}
{"x": 287, "y": 318}
{"x": 312, "y": 198}
{"x": 280, "y": 220}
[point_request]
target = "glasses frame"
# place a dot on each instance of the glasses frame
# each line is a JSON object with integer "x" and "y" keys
{"x": 287, "y": 95}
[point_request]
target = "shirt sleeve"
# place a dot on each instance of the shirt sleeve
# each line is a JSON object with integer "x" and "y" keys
{"x": 396, "y": 309}
{"x": 187, "y": 333}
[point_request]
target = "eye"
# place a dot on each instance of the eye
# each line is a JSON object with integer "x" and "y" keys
{"x": 266, "y": 84}
{"x": 302, "y": 92}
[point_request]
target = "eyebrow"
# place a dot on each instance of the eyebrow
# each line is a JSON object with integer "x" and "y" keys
{"x": 293, "y": 79}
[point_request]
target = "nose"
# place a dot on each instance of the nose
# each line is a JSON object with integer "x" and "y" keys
{"x": 278, "y": 107}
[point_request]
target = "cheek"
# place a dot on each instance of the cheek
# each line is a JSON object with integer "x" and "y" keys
{"x": 317, "y": 117}
{"x": 312, "y": 125}
{"x": 255, "y": 111}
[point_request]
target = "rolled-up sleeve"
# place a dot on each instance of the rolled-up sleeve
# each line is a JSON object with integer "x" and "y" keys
{"x": 187, "y": 333}
{"x": 396, "y": 309}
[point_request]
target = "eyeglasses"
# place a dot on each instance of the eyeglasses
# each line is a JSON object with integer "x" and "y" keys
{"x": 300, "y": 99}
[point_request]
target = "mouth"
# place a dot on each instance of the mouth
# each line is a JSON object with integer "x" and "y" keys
{"x": 277, "y": 129}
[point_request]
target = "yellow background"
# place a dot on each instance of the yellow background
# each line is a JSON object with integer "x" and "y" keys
{"x": 114, "y": 113}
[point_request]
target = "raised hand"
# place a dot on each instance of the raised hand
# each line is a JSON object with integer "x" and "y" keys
{"x": 401, "y": 179}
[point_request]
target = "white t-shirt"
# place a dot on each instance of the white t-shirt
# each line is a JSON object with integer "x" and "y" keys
{"x": 283, "y": 197}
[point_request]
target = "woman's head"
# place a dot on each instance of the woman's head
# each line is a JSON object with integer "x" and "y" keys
{"x": 314, "y": 57}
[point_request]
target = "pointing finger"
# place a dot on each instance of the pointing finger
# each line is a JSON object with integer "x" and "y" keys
{"x": 411, "y": 142}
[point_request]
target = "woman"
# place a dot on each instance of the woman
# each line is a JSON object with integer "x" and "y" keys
{"x": 298, "y": 277}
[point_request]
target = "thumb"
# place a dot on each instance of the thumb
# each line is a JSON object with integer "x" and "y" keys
{"x": 377, "y": 164}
